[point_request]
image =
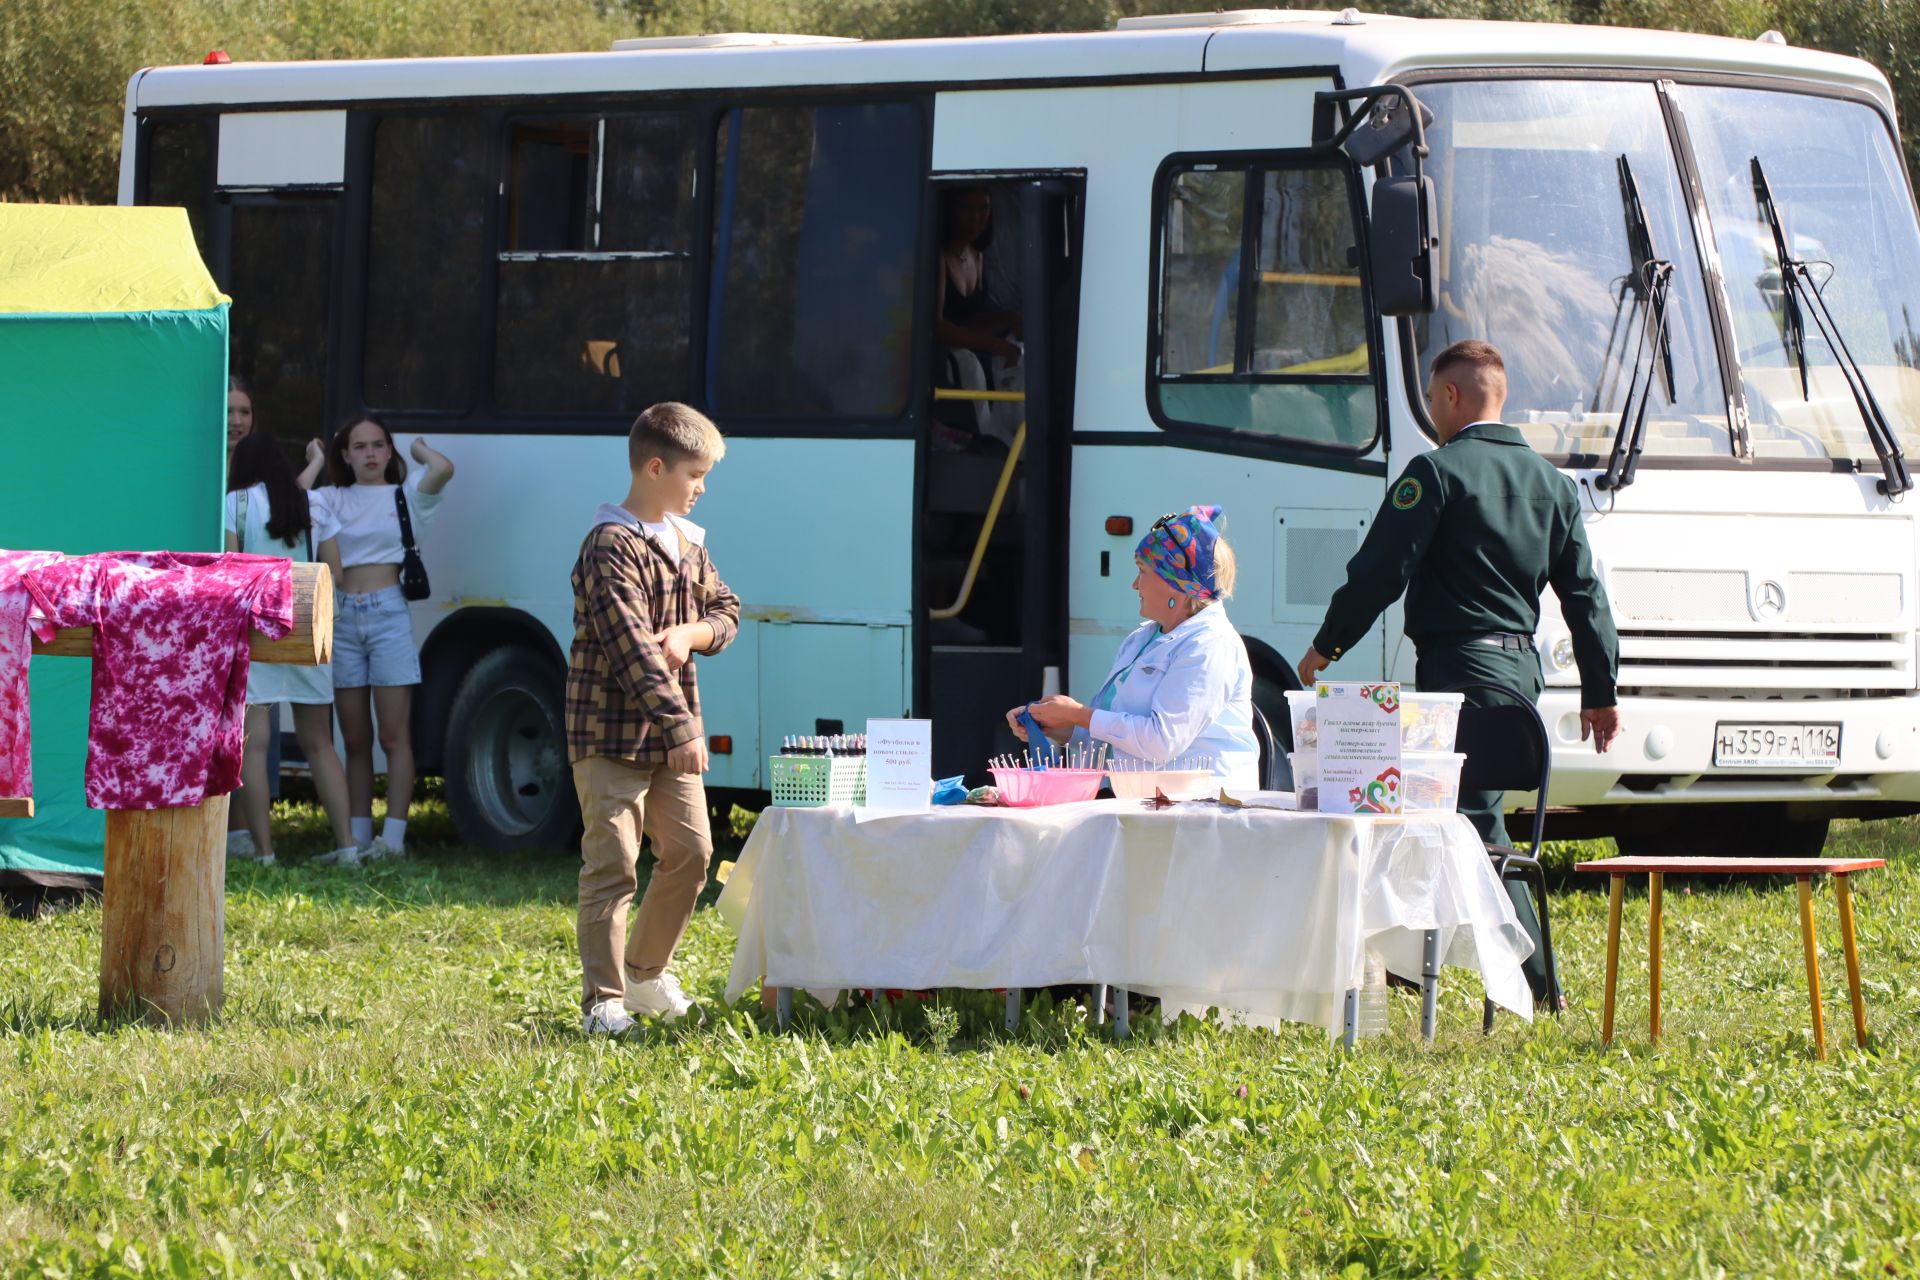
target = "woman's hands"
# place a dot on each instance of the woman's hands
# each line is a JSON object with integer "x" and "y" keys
{"x": 1057, "y": 717}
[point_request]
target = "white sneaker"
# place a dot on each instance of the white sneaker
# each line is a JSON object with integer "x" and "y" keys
{"x": 381, "y": 851}
{"x": 345, "y": 856}
{"x": 240, "y": 845}
{"x": 659, "y": 997}
{"x": 606, "y": 1019}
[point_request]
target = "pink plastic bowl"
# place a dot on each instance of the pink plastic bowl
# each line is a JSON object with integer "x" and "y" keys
{"x": 1027, "y": 788}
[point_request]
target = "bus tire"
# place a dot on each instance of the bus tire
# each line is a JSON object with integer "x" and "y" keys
{"x": 508, "y": 784}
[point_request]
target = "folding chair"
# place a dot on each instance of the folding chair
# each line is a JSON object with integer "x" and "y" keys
{"x": 1273, "y": 776}
{"x": 1507, "y": 750}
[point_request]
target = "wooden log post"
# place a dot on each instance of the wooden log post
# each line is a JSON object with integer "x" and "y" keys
{"x": 163, "y": 914}
{"x": 163, "y": 908}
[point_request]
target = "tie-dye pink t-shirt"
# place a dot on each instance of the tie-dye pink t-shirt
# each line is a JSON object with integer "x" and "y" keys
{"x": 169, "y": 665}
{"x": 16, "y": 653}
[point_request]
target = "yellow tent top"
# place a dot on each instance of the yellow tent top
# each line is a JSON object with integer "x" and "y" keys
{"x": 86, "y": 260}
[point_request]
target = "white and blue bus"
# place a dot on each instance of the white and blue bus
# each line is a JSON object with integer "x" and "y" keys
{"x": 1699, "y": 255}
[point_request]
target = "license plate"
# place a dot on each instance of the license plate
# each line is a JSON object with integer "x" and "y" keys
{"x": 1776, "y": 746}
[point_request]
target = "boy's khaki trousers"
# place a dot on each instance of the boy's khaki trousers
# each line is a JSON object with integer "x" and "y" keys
{"x": 620, "y": 800}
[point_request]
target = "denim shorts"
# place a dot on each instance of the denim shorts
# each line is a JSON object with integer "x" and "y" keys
{"x": 373, "y": 640}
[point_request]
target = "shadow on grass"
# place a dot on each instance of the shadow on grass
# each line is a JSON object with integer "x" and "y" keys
{"x": 949, "y": 1021}
{"x": 439, "y": 870}
{"x": 432, "y": 877}
{"x": 23, "y": 1015}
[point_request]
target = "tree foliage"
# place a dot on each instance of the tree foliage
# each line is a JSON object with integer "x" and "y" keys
{"x": 64, "y": 67}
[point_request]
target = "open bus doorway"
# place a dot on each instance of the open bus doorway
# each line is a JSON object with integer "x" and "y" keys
{"x": 995, "y": 458}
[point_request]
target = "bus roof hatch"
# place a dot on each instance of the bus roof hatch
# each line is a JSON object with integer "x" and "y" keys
{"x": 724, "y": 40}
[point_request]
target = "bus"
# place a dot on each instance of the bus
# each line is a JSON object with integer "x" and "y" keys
{"x": 1232, "y": 242}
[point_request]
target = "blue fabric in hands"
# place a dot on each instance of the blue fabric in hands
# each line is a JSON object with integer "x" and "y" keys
{"x": 1038, "y": 743}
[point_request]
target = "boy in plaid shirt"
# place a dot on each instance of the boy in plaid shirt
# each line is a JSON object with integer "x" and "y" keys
{"x": 645, "y": 600}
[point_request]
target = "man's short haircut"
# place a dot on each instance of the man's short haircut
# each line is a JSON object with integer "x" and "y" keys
{"x": 1483, "y": 356}
{"x": 674, "y": 433}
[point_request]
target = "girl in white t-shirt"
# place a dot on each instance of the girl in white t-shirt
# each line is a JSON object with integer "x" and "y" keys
{"x": 267, "y": 514}
{"x": 375, "y": 663}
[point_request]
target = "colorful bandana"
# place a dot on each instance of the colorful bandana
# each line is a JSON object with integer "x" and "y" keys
{"x": 1180, "y": 550}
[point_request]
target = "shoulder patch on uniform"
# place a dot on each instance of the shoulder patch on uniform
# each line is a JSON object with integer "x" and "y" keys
{"x": 1406, "y": 494}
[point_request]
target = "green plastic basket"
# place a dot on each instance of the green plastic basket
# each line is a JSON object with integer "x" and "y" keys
{"x": 804, "y": 782}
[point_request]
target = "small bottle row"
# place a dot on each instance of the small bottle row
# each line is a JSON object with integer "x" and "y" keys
{"x": 832, "y": 744}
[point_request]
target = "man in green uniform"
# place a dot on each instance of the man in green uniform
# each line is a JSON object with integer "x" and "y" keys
{"x": 1473, "y": 532}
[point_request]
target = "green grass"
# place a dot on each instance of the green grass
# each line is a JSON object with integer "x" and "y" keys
{"x": 399, "y": 1087}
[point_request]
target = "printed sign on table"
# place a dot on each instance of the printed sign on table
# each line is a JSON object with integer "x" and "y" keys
{"x": 899, "y": 765}
{"x": 1359, "y": 731}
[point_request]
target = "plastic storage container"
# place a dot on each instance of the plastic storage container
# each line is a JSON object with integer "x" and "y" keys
{"x": 1429, "y": 780}
{"x": 805, "y": 782}
{"x": 1428, "y": 721}
{"x": 1175, "y": 784}
{"x": 1028, "y": 788}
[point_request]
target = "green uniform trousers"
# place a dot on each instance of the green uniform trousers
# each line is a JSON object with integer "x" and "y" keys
{"x": 1471, "y": 663}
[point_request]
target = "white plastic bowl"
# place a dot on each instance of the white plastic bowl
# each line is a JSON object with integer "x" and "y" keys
{"x": 1175, "y": 784}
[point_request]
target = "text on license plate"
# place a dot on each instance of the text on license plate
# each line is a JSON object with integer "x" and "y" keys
{"x": 1777, "y": 746}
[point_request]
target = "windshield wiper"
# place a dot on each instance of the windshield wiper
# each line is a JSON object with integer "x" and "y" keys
{"x": 1649, "y": 281}
{"x": 1799, "y": 297}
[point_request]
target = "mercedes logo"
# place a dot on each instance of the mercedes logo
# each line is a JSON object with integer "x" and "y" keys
{"x": 1769, "y": 600}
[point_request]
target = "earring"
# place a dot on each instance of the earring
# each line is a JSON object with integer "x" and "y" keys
{"x": 1172, "y": 601}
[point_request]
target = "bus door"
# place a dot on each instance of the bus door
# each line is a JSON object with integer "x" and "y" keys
{"x": 994, "y": 460}
{"x": 275, "y": 231}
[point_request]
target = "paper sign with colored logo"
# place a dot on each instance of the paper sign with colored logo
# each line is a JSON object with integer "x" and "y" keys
{"x": 1359, "y": 730}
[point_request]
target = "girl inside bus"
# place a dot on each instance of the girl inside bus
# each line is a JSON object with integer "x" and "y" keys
{"x": 1181, "y": 686}
{"x": 375, "y": 664}
{"x": 977, "y": 335}
{"x": 239, "y": 414}
{"x": 267, "y": 514}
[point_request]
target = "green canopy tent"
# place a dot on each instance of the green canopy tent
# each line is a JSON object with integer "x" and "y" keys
{"x": 113, "y": 371}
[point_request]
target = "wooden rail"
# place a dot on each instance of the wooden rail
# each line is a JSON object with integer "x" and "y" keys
{"x": 310, "y": 643}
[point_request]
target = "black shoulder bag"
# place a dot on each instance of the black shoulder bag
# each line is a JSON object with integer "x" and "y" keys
{"x": 413, "y": 570}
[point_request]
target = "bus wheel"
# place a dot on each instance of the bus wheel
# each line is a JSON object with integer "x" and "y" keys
{"x": 508, "y": 785}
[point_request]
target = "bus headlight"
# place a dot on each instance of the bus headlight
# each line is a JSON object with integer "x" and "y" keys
{"x": 1560, "y": 653}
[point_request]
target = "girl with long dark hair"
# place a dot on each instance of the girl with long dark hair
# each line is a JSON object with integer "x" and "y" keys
{"x": 267, "y": 514}
{"x": 375, "y": 663}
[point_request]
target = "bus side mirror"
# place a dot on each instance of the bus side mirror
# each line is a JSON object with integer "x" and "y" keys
{"x": 1401, "y": 244}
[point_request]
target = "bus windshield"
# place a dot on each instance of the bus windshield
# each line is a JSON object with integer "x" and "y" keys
{"x": 1843, "y": 203}
{"x": 1536, "y": 256}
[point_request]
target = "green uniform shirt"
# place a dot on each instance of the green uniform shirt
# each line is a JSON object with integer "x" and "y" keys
{"x": 1473, "y": 532}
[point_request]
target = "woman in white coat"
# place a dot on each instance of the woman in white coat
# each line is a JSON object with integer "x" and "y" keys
{"x": 1181, "y": 685}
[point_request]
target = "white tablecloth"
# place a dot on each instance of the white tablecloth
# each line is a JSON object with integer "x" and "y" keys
{"x": 1257, "y": 911}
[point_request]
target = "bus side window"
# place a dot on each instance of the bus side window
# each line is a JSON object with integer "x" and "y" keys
{"x": 1263, "y": 318}
{"x": 595, "y": 299}
{"x": 179, "y": 170}
{"x": 816, "y": 226}
{"x": 425, "y": 301}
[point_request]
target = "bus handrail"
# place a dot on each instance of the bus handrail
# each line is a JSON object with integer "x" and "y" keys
{"x": 999, "y": 492}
